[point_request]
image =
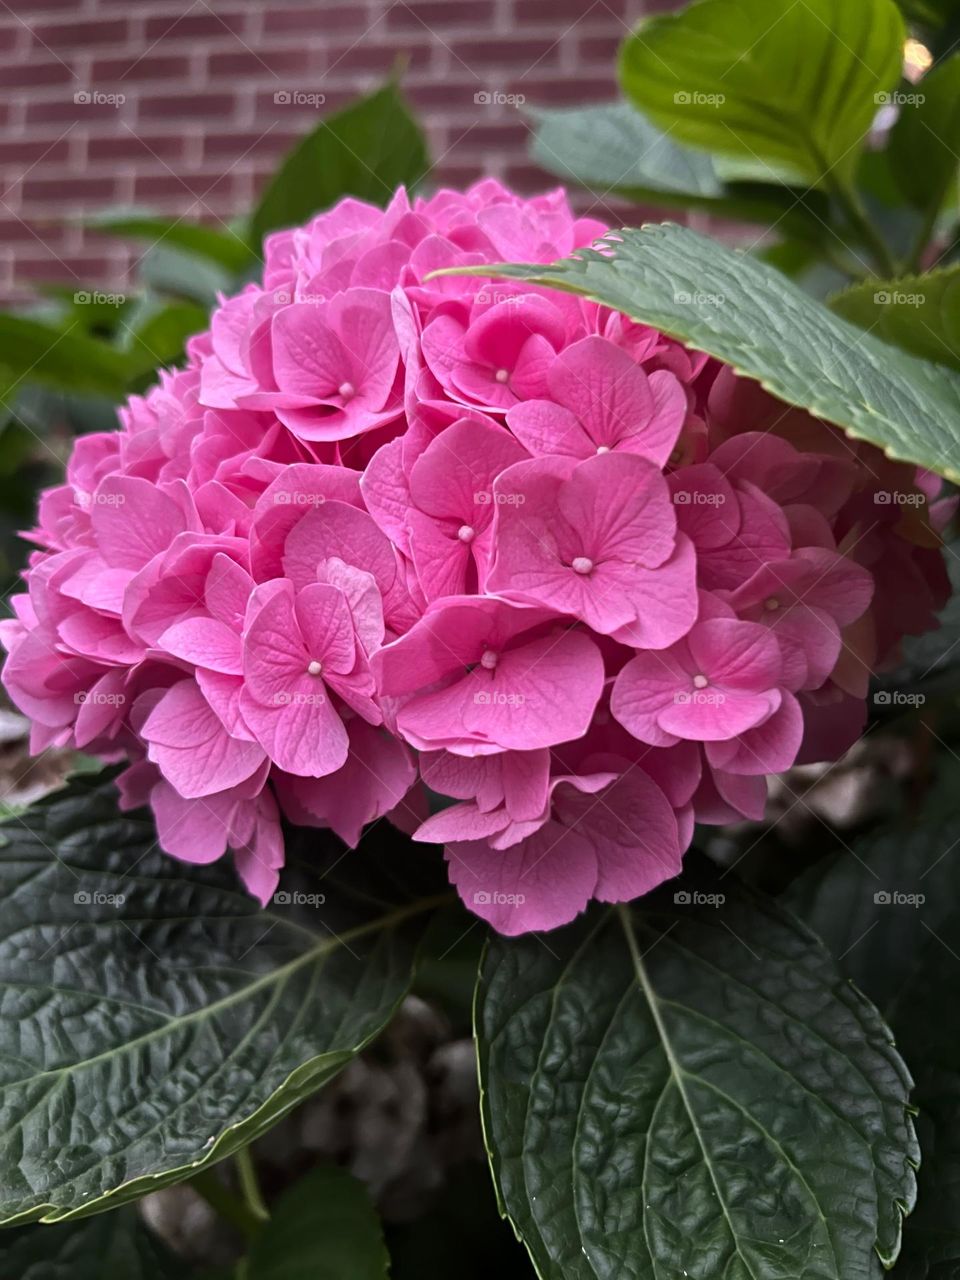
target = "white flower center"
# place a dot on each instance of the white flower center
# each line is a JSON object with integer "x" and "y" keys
{"x": 502, "y": 375}
{"x": 603, "y": 448}
{"x": 582, "y": 564}
{"x": 489, "y": 659}
{"x": 314, "y": 668}
{"x": 771, "y": 603}
{"x": 700, "y": 682}
{"x": 466, "y": 533}
{"x": 346, "y": 390}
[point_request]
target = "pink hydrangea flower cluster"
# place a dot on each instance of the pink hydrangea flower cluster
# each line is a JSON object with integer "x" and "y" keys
{"x": 391, "y": 535}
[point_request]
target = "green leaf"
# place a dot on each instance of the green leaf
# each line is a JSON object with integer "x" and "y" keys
{"x": 614, "y": 150}
{"x": 887, "y": 909}
{"x": 931, "y": 1241}
{"x": 367, "y": 151}
{"x": 691, "y": 1088}
{"x": 922, "y": 146}
{"x": 324, "y": 1227}
{"x": 156, "y": 332}
{"x": 920, "y": 314}
{"x": 745, "y": 313}
{"x": 171, "y": 270}
{"x": 728, "y": 75}
{"x": 64, "y": 358}
{"x": 112, "y": 1244}
{"x": 155, "y": 1018}
{"x": 225, "y": 248}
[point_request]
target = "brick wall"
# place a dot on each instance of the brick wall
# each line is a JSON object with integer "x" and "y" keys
{"x": 185, "y": 108}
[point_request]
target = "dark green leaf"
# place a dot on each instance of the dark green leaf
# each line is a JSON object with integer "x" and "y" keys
{"x": 178, "y": 272}
{"x": 691, "y": 1088}
{"x": 366, "y": 151}
{"x": 324, "y": 1228}
{"x": 724, "y": 302}
{"x": 923, "y": 142}
{"x": 225, "y": 247}
{"x": 115, "y": 1245}
{"x": 887, "y": 909}
{"x": 65, "y": 358}
{"x": 920, "y": 314}
{"x": 155, "y": 1019}
{"x": 791, "y": 85}
{"x": 931, "y": 1241}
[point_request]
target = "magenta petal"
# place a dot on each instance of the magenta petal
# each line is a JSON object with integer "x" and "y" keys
{"x": 540, "y": 884}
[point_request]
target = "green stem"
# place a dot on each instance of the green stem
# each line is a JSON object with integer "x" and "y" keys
{"x": 848, "y": 198}
{"x": 230, "y": 1207}
{"x": 250, "y": 1186}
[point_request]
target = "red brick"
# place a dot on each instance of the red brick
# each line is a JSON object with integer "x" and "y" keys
{"x": 32, "y": 150}
{"x": 36, "y": 75}
{"x": 226, "y": 146}
{"x": 261, "y": 62}
{"x": 127, "y": 146}
{"x": 197, "y": 26}
{"x": 64, "y": 111}
{"x": 565, "y": 92}
{"x": 323, "y": 20}
{"x": 11, "y": 36}
{"x": 135, "y": 68}
{"x": 186, "y": 106}
{"x": 601, "y": 48}
{"x": 78, "y": 35}
{"x": 62, "y": 268}
{"x": 61, "y": 187}
{"x": 440, "y": 14}
{"x": 187, "y": 187}
{"x": 564, "y": 13}
{"x": 508, "y": 51}
{"x": 364, "y": 58}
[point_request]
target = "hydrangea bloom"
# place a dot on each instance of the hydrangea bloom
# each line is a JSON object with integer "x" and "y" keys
{"x": 390, "y": 537}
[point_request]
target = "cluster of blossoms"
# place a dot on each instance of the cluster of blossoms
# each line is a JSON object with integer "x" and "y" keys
{"x": 392, "y": 536}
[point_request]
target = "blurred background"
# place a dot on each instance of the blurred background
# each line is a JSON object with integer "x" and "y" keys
{"x": 186, "y": 108}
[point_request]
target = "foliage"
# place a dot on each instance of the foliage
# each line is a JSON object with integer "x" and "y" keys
{"x": 714, "y": 1081}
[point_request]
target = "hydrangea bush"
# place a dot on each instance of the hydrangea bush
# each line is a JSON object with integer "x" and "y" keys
{"x": 495, "y": 563}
